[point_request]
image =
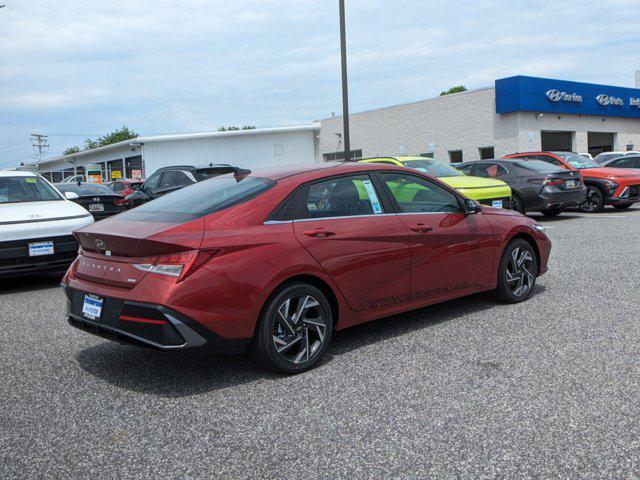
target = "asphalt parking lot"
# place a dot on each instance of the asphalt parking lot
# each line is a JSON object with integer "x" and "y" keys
{"x": 466, "y": 389}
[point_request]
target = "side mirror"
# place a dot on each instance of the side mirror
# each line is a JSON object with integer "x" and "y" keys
{"x": 471, "y": 207}
{"x": 71, "y": 195}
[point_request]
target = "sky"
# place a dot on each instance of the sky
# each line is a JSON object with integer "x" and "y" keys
{"x": 73, "y": 69}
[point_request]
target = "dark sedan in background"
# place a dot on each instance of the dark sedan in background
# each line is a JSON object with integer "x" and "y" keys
{"x": 98, "y": 199}
{"x": 536, "y": 186}
{"x": 169, "y": 179}
{"x": 624, "y": 161}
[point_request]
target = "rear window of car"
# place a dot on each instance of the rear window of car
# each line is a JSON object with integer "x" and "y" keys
{"x": 537, "y": 166}
{"x": 200, "y": 199}
{"x": 89, "y": 189}
{"x": 26, "y": 189}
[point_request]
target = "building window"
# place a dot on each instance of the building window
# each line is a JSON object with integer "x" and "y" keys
{"x": 427, "y": 155}
{"x": 133, "y": 167}
{"x": 486, "y": 153}
{"x": 353, "y": 155}
{"x": 455, "y": 156}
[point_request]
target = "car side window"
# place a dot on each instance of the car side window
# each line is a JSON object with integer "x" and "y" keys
{"x": 153, "y": 180}
{"x": 418, "y": 195}
{"x": 182, "y": 179}
{"x": 117, "y": 187}
{"x": 340, "y": 197}
{"x": 466, "y": 169}
{"x": 491, "y": 170}
{"x": 169, "y": 179}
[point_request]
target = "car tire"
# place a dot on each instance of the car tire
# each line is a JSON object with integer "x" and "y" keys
{"x": 594, "y": 202}
{"x": 516, "y": 204}
{"x": 551, "y": 212}
{"x": 516, "y": 284}
{"x": 622, "y": 207}
{"x": 284, "y": 340}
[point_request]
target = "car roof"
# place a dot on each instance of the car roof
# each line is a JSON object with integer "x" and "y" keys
{"x": 17, "y": 173}
{"x": 310, "y": 171}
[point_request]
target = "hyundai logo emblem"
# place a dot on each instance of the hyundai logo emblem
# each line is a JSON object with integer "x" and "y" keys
{"x": 554, "y": 95}
{"x": 100, "y": 244}
{"x": 603, "y": 99}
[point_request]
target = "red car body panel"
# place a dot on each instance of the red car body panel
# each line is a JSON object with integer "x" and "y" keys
{"x": 622, "y": 176}
{"x": 128, "y": 184}
{"x": 373, "y": 266}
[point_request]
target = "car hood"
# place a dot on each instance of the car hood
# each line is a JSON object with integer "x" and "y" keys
{"x": 21, "y": 221}
{"x": 610, "y": 172}
{"x": 39, "y": 211}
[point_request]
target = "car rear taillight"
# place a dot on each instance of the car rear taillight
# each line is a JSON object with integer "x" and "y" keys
{"x": 123, "y": 201}
{"x": 553, "y": 181}
{"x": 537, "y": 181}
{"x": 178, "y": 265}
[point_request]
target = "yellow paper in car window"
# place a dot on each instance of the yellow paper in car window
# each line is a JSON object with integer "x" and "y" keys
{"x": 30, "y": 180}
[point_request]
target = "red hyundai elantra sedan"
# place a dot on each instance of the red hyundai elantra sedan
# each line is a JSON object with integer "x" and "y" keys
{"x": 275, "y": 261}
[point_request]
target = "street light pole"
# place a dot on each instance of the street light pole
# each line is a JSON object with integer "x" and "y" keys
{"x": 345, "y": 87}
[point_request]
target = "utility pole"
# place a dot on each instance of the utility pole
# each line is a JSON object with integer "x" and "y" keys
{"x": 41, "y": 142}
{"x": 345, "y": 87}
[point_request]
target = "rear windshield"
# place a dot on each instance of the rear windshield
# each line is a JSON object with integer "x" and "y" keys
{"x": 538, "y": 166}
{"x": 199, "y": 199}
{"x": 433, "y": 168}
{"x": 26, "y": 189}
{"x": 86, "y": 189}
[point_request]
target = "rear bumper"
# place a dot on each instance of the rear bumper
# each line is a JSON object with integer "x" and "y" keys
{"x": 147, "y": 325}
{"x": 559, "y": 199}
{"x": 15, "y": 260}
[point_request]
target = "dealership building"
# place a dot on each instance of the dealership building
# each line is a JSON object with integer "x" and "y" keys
{"x": 517, "y": 114}
{"x": 140, "y": 157}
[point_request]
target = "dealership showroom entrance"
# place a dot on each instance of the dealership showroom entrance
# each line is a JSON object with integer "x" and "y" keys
{"x": 557, "y": 141}
{"x": 600, "y": 142}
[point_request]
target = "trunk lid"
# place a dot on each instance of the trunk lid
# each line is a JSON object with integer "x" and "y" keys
{"x": 112, "y": 247}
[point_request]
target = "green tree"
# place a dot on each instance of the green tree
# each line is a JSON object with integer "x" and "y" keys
{"x": 458, "y": 89}
{"x": 71, "y": 150}
{"x": 114, "y": 137}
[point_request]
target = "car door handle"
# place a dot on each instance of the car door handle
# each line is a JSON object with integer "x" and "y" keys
{"x": 420, "y": 227}
{"x": 318, "y": 232}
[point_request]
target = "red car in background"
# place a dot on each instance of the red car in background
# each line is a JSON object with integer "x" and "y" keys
{"x": 276, "y": 260}
{"x": 125, "y": 186}
{"x": 618, "y": 187}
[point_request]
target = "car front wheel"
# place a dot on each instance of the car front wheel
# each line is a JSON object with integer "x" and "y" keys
{"x": 294, "y": 329}
{"x": 594, "y": 202}
{"x": 518, "y": 272}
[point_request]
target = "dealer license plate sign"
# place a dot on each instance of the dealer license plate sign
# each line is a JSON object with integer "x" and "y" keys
{"x": 571, "y": 184}
{"x": 40, "y": 248}
{"x": 96, "y": 207}
{"x": 92, "y": 307}
{"x": 496, "y": 203}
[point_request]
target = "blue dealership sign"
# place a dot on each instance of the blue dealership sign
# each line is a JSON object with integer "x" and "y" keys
{"x": 533, "y": 94}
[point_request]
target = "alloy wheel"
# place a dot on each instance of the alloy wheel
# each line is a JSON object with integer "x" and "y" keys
{"x": 519, "y": 275}
{"x": 592, "y": 202}
{"x": 515, "y": 204}
{"x": 300, "y": 328}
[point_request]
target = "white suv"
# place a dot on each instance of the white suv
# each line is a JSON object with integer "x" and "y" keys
{"x": 36, "y": 225}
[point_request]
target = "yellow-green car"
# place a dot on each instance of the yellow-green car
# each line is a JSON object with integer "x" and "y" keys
{"x": 486, "y": 191}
